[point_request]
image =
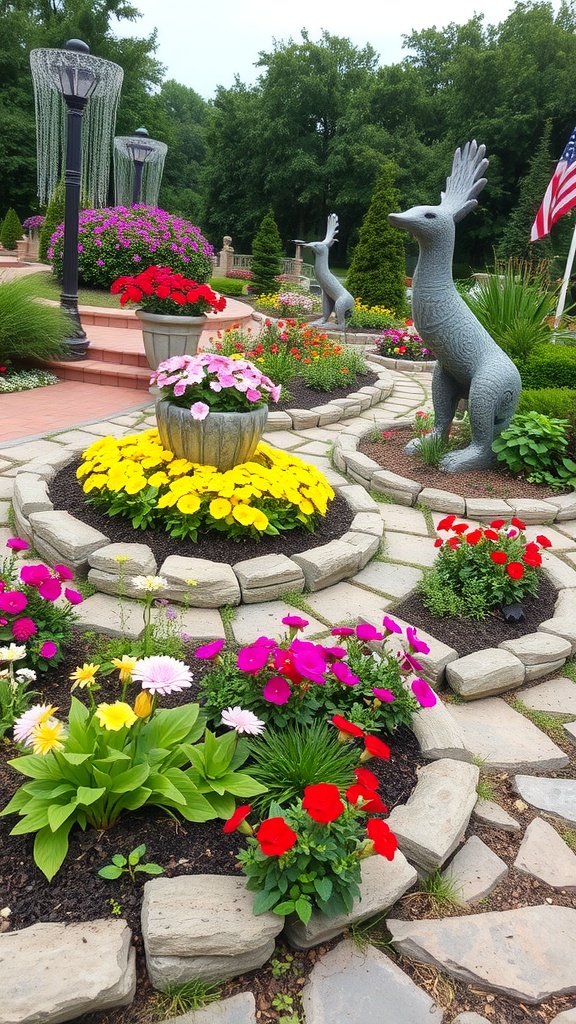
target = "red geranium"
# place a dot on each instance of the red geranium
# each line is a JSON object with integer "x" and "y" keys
{"x": 237, "y": 818}
{"x": 497, "y": 524}
{"x": 366, "y": 778}
{"x": 385, "y": 842}
{"x": 371, "y": 802}
{"x": 491, "y": 534}
{"x": 473, "y": 537}
{"x": 515, "y": 570}
{"x": 323, "y": 802}
{"x": 499, "y": 557}
{"x": 376, "y": 748}
{"x": 544, "y": 541}
{"x": 275, "y": 837}
{"x": 446, "y": 523}
{"x": 518, "y": 523}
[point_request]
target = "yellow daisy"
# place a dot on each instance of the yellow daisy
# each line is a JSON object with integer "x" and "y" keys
{"x": 115, "y": 716}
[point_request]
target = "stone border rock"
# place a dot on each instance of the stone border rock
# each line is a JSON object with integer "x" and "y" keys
{"x": 60, "y": 537}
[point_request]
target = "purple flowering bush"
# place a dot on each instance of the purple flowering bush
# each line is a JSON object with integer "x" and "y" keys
{"x": 33, "y": 223}
{"x": 119, "y": 241}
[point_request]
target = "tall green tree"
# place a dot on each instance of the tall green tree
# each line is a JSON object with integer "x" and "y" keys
{"x": 378, "y": 266}
{"x": 267, "y": 254}
{"x": 515, "y": 242}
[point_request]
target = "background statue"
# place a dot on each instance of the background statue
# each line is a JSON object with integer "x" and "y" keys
{"x": 335, "y": 298}
{"x": 470, "y": 363}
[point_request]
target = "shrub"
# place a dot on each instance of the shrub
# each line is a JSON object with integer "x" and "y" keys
{"x": 226, "y": 286}
{"x": 267, "y": 255}
{"x": 535, "y": 445}
{"x": 29, "y": 328}
{"x": 12, "y": 230}
{"x": 287, "y": 760}
{"x": 54, "y": 219}
{"x": 516, "y": 308}
{"x": 116, "y": 241}
{"x": 378, "y": 268}
{"x": 550, "y": 366}
{"x": 555, "y": 402}
{"x": 333, "y": 371}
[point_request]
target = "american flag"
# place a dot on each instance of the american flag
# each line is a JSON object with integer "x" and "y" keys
{"x": 561, "y": 192}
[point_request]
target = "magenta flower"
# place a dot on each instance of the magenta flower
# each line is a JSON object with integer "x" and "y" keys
{"x": 13, "y": 601}
{"x": 408, "y": 663}
{"x": 23, "y": 629}
{"x": 252, "y": 659}
{"x": 343, "y": 631}
{"x": 162, "y": 674}
{"x": 34, "y": 575}
{"x": 386, "y": 696}
{"x": 63, "y": 572}
{"x": 50, "y": 589}
{"x": 73, "y": 596}
{"x": 390, "y": 626}
{"x": 209, "y": 651}
{"x": 415, "y": 643}
{"x": 424, "y": 694}
{"x": 308, "y": 661}
{"x": 365, "y": 631}
{"x": 265, "y": 641}
{"x": 294, "y": 621}
{"x": 17, "y": 544}
{"x": 334, "y": 653}
{"x": 344, "y": 675}
{"x": 277, "y": 691}
{"x": 48, "y": 649}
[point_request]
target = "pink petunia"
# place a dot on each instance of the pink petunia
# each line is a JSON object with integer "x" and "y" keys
{"x": 415, "y": 643}
{"x": 386, "y": 696}
{"x": 365, "y": 631}
{"x": 17, "y": 544}
{"x": 294, "y": 621}
{"x": 343, "y": 631}
{"x": 277, "y": 691}
{"x": 424, "y": 694}
{"x": 390, "y": 625}
{"x": 344, "y": 674}
{"x": 50, "y": 589}
{"x": 74, "y": 596}
{"x": 209, "y": 651}
{"x": 252, "y": 659}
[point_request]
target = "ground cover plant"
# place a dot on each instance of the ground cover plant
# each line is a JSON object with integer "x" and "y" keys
{"x": 12, "y": 379}
{"x": 114, "y": 241}
{"x": 292, "y": 301}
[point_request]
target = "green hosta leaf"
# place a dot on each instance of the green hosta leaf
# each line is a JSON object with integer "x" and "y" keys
{"x": 197, "y": 808}
{"x": 264, "y": 901}
{"x": 132, "y": 801}
{"x": 34, "y": 819}
{"x": 285, "y": 908}
{"x": 50, "y": 849}
{"x": 110, "y": 871}
{"x": 224, "y": 805}
{"x": 36, "y": 767}
{"x": 150, "y": 869}
{"x": 169, "y": 727}
{"x": 74, "y": 758}
{"x": 240, "y": 784}
{"x": 18, "y": 801}
{"x": 196, "y": 757}
{"x": 218, "y": 752}
{"x": 59, "y": 813}
{"x": 130, "y": 780}
{"x": 162, "y": 786}
{"x": 85, "y": 795}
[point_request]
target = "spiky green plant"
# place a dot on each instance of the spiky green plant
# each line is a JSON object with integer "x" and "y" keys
{"x": 29, "y": 328}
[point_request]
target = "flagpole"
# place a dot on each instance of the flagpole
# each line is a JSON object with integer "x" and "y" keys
{"x": 565, "y": 280}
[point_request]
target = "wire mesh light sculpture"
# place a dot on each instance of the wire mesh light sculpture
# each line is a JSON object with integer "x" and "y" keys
{"x": 69, "y": 82}
{"x": 138, "y": 168}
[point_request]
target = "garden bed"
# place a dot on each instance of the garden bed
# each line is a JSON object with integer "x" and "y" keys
{"x": 388, "y": 452}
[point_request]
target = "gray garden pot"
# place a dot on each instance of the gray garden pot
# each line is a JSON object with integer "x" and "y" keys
{"x": 223, "y": 439}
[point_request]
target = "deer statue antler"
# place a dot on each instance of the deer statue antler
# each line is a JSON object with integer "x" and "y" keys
{"x": 331, "y": 230}
{"x": 466, "y": 180}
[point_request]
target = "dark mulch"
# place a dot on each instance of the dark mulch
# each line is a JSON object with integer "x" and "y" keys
{"x": 467, "y": 635}
{"x": 389, "y": 453}
{"x": 66, "y": 494}
{"x": 301, "y": 397}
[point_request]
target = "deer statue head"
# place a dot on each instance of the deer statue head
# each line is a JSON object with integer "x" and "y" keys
{"x": 331, "y": 233}
{"x": 432, "y": 225}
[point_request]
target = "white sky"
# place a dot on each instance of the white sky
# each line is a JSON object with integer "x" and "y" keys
{"x": 205, "y": 44}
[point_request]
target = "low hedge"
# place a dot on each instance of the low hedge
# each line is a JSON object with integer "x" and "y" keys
{"x": 227, "y": 286}
{"x": 556, "y": 402}
{"x": 550, "y": 366}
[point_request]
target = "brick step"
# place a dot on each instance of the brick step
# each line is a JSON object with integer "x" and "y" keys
{"x": 92, "y": 316}
{"x": 117, "y": 355}
{"x": 96, "y": 371}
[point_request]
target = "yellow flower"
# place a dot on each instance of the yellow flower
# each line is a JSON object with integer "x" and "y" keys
{"x": 220, "y": 508}
{"x": 143, "y": 704}
{"x": 121, "y": 558}
{"x": 47, "y": 736}
{"x": 306, "y": 507}
{"x": 260, "y": 520}
{"x": 244, "y": 515}
{"x": 188, "y": 504}
{"x": 180, "y": 466}
{"x": 167, "y": 500}
{"x": 98, "y": 480}
{"x": 85, "y": 676}
{"x": 135, "y": 484}
{"x": 115, "y": 716}
{"x": 125, "y": 666}
{"x": 157, "y": 479}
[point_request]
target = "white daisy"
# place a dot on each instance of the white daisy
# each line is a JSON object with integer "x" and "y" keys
{"x": 243, "y": 721}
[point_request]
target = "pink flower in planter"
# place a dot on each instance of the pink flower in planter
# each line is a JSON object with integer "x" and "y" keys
{"x": 199, "y": 410}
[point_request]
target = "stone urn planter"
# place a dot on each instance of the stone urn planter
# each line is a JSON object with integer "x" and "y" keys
{"x": 167, "y": 336}
{"x": 222, "y": 439}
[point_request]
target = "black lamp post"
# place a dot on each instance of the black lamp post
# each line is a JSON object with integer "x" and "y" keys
{"x": 140, "y": 151}
{"x": 76, "y": 85}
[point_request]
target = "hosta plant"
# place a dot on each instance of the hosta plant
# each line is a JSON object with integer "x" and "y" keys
{"x": 482, "y": 568}
{"x": 308, "y": 857}
{"x": 110, "y": 758}
{"x": 535, "y": 446}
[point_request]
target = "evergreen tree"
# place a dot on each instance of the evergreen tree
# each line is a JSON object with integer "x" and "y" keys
{"x": 515, "y": 242}
{"x": 266, "y": 257}
{"x": 378, "y": 267}
{"x": 54, "y": 217}
{"x": 12, "y": 230}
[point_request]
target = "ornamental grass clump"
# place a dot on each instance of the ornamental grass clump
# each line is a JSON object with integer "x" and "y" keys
{"x": 115, "y": 241}
{"x": 481, "y": 569}
{"x": 164, "y": 291}
{"x": 308, "y": 857}
{"x": 295, "y": 681}
{"x": 137, "y": 478}
{"x": 107, "y": 759}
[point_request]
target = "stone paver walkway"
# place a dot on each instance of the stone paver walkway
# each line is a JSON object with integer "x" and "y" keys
{"x": 527, "y": 954}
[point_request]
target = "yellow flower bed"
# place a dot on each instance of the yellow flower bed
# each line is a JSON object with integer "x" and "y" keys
{"x": 137, "y": 478}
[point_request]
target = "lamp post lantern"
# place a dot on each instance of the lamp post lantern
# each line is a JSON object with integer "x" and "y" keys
{"x": 76, "y": 77}
{"x": 138, "y": 168}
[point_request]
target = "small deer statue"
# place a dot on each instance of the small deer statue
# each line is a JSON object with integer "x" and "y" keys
{"x": 335, "y": 298}
{"x": 469, "y": 362}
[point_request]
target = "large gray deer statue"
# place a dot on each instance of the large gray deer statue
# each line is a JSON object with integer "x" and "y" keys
{"x": 469, "y": 362}
{"x": 335, "y": 298}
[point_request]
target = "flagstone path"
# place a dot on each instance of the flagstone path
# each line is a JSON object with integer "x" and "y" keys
{"x": 528, "y": 953}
